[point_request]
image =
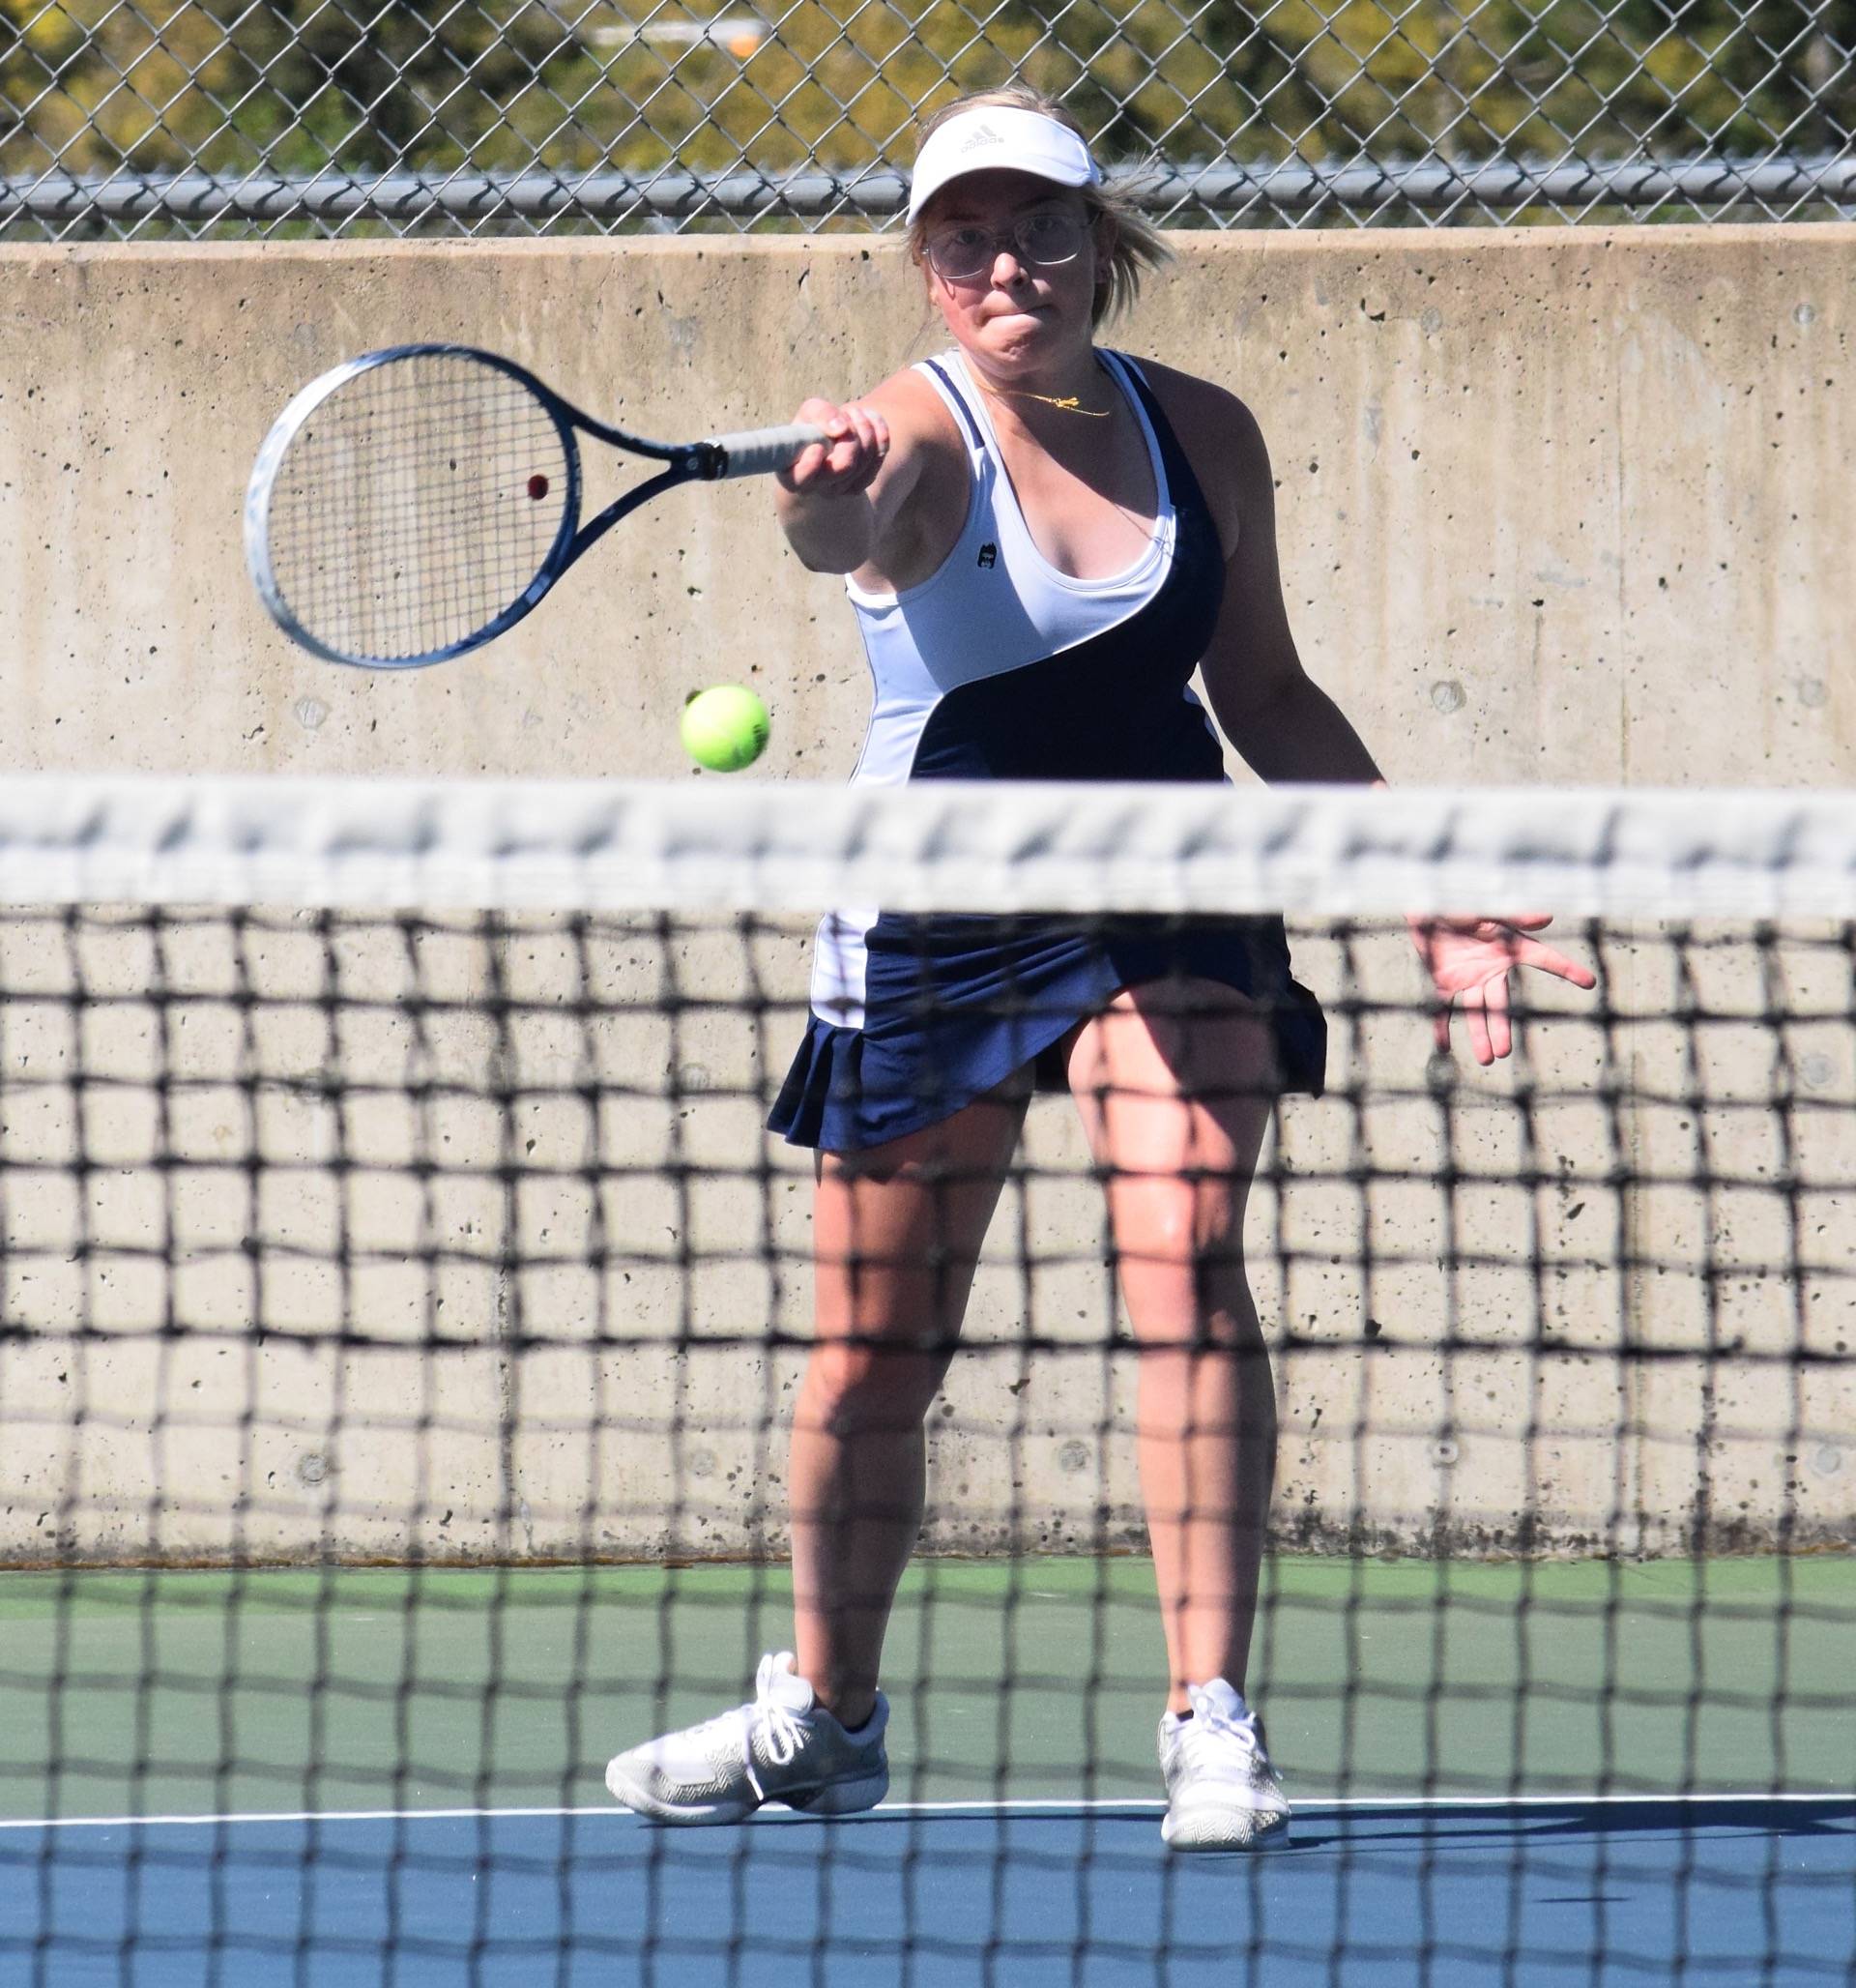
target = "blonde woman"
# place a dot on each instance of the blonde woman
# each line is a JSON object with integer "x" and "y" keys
{"x": 1041, "y": 541}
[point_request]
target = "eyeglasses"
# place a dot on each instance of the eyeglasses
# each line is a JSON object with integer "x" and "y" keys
{"x": 1039, "y": 241}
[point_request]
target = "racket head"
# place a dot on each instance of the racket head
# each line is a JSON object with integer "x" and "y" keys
{"x": 411, "y": 505}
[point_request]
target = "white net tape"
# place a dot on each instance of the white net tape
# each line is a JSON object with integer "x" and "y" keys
{"x": 943, "y": 846}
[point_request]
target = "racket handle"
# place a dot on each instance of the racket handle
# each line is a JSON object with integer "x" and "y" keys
{"x": 760, "y": 452}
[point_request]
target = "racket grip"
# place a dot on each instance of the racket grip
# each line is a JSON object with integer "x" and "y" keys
{"x": 760, "y": 452}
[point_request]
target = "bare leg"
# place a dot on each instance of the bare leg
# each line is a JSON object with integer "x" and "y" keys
{"x": 896, "y": 1238}
{"x": 1176, "y": 1083}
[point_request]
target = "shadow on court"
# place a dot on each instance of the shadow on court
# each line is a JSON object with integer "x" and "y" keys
{"x": 1742, "y": 1890}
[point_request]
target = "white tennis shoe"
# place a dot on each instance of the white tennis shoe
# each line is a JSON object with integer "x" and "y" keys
{"x": 784, "y": 1747}
{"x": 1222, "y": 1793}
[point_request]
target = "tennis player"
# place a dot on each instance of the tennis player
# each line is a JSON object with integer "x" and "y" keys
{"x": 1041, "y": 540}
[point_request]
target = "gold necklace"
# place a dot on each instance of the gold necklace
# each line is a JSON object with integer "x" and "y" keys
{"x": 1068, "y": 403}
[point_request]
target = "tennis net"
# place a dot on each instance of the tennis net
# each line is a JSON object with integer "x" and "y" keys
{"x": 404, "y": 1308}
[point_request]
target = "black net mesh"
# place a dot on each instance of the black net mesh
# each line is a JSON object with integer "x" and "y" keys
{"x": 403, "y": 1318}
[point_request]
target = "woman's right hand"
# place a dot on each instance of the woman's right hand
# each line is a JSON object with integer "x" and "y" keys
{"x": 848, "y": 461}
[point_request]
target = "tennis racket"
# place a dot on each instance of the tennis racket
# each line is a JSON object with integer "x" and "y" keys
{"x": 414, "y": 504}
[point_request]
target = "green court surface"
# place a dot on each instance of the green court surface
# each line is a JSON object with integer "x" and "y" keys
{"x": 291, "y": 1691}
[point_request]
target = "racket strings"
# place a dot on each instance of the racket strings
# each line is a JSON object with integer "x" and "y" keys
{"x": 416, "y": 504}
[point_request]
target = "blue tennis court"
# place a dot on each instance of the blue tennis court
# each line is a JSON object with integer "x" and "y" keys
{"x": 1746, "y": 1891}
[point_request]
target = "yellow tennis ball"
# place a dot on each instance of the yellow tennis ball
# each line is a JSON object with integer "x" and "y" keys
{"x": 724, "y": 729}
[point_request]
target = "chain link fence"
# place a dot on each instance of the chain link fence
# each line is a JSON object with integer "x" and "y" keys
{"x": 132, "y": 119}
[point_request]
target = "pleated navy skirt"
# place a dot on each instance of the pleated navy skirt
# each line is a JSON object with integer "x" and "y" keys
{"x": 953, "y": 1006}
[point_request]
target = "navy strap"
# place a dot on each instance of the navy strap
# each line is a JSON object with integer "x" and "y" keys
{"x": 959, "y": 400}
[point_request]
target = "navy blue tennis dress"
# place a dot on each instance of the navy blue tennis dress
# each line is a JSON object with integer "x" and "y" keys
{"x": 999, "y": 667}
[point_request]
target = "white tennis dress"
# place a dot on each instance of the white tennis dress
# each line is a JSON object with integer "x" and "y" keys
{"x": 998, "y": 666}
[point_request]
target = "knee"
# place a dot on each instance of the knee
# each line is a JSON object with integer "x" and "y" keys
{"x": 855, "y": 1389}
{"x": 1192, "y": 1332}
{"x": 1187, "y": 1289}
{"x": 1184, "y": 1249}
{"x": 1186, "y": 1225}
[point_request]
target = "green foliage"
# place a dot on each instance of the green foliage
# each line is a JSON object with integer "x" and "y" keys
{"x": 293, "y": 87}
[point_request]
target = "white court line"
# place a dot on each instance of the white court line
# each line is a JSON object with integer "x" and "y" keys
{"x": 1133, "y": 1805}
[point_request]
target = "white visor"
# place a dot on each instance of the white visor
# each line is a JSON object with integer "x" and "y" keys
{"x": 997, "y": 139}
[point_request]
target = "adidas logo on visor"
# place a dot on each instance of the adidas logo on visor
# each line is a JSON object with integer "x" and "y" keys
{"x": 984, "y": 135}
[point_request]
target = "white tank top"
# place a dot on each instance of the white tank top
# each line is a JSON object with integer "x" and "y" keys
{"x": 995, "y": 604}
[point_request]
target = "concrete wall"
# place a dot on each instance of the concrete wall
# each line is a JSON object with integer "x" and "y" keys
{"x": 1555, "y": 504}
{"x": 1562, "y": 506}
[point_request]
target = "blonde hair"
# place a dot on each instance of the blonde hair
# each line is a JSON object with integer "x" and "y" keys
{"x": 1135, "y": 246}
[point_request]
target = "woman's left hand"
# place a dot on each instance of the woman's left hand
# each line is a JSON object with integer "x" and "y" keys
{"x": 1469, "y": 960}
